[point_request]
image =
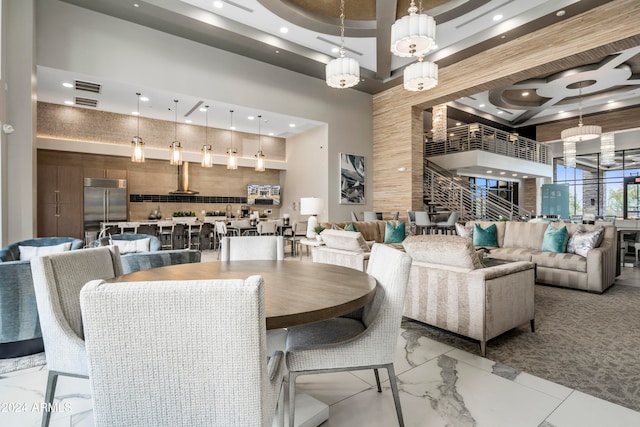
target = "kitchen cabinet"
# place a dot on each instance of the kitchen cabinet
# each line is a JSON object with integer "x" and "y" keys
{"x": 60, "y": 201}
{"x": 105, "y": 173}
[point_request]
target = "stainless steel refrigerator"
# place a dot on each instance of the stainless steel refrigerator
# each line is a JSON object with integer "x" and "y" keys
{"x": 105, "y": 200}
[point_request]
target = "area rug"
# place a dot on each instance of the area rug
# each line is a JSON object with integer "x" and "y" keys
{"x": 584, "y": 341}
{"x": 19, "y": 363}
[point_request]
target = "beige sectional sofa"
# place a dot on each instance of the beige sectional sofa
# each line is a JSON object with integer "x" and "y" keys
{"x": 522, "y": 241}
{"x": 449, "y": 289}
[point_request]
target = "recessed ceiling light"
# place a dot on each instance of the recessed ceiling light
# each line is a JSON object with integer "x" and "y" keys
{"x": 503, "y": 173}
{"x": 135, "y": 113}
{"x": 67, "y": 84}
{"x": 136, "y": 5}
{"x": 489, "y": 171}
{"x": 499, "y": 111}
{"x": 232, "y": 128}
{"x": 335, "y": 49}
{"x": 481, "y": 105}
{"x": 277, "y": 51}
{"x": 188, "y": 121}
{"x": 270, "y": 134}
{"x": 561, "y": 111}
{"x": 284, "y": 30}
{"x": 458, "y": 124}
{"x": 525, "y": 176}
{"x": 218, "y": 4}
{"x": 250, "y": 117}
{"x": 610, "y": 101}
{"x": 144, "y": 99}
{"x": 560, "y": 12}
{"x": 292, "y": 125}
{"x": 68, "y": 102}
{"x": 497, "y": 17}
{"x": 514, "y": 174}
{"x": 525, "y": 93}
{"x": 203, "y": 109}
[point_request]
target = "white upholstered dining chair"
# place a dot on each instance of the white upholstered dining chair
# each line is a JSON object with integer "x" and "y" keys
{"x": 181, "y": 353}
{"x": 251, "y": 248}
{"x": 349, "y": 343}
{"x": 58, "y": 279}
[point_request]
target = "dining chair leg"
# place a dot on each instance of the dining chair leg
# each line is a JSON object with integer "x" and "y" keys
{"x": 375, "y": 371}
{"x": 394, "y": 391}
{"x": 52, "y": 381}
{"x": 291, "y": 396}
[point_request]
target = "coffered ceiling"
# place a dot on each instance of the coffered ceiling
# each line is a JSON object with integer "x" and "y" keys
{"x": 302, "y": 35}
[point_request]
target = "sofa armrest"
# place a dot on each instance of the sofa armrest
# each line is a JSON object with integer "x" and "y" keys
{"x": 504, "y": 269}
{"x": 355, "y": 260}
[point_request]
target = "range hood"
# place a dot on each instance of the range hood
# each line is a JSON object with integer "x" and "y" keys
{"x": 183, "y": 180}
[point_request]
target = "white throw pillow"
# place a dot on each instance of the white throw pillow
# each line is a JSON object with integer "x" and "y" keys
{"x": 132, "y": 246}
{"x": 29, "y": 252}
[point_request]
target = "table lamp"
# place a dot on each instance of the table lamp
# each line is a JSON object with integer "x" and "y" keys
{"x": 311, "y": 206}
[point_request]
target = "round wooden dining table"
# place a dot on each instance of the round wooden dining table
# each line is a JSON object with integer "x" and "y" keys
{"x": 295, "y": 292}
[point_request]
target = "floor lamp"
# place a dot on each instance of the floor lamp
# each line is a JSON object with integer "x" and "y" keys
{"x": 311, "y": 206}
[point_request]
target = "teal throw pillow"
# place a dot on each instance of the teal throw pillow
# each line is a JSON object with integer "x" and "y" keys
{"x": 555, "y": 239}
{"x": 485, "y": 236}
{"x": 394, "y": 233}
{"x": 350, "y": 227}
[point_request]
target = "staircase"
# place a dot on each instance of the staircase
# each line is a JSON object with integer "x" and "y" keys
{"x": 445, "y": 191}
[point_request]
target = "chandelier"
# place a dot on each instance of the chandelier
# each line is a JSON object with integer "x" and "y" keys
{"x": 577, "y": 134}
{"x": 137, "y": 146}
{"x": 259, "y": 155}
{"x": 232, "y": 153}
{"x": 207, "y": 153}
{"x": 414, "y": 34}
{"x": 175, "y": 157}
{"x": 607, "y": 149}
{"x": 421, "y": 75}
{"x": 342, "y": 72}
{"x": 439, "y": 122}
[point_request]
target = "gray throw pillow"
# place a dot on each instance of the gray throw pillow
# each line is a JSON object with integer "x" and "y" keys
{"x": 582, "y": 241}
{"x": 463, "y": 231}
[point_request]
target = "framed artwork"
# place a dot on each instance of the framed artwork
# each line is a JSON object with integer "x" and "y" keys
{"x": 352, "y": 175}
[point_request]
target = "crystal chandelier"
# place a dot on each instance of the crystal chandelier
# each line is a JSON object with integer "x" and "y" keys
{"x": 414, "y": 34}
{"x": 232, "y": 153}
{"x": 175, "y": 157}
{"x": 421, "y": 75}
{"x": 607, "y": 149}
{"x": 439, "y": 122}
{"x": 259, "y": 155}
{"x": 207, "y": 153}
{"x": 342, "y": 72}
{"x": 577, "y": 134}
{"x": 137, "y": 146}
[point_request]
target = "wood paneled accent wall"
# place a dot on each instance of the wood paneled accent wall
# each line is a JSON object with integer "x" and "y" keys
{"x": 576, "y": 41}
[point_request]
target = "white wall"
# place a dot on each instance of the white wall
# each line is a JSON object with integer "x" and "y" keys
{"x": 75, "y": 39}
{"x": 306, "y": 152}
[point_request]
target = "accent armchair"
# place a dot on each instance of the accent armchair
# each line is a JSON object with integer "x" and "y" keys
{"x": 20, "y": 332}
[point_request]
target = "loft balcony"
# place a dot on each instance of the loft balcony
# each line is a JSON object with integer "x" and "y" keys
{"x": 475, "y": 148}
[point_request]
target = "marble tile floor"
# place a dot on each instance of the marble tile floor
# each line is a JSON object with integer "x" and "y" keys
{"x": 439, "y": 386}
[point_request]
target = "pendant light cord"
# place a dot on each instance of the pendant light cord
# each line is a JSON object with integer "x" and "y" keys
{"x": 231, "y": 129}
{"x": 341, "y": 28}
{"x": 259, "y": 134}
{"x": 176, "y": 122}
{"x": 206, "y": 125}
{"x": 138, "y": 131}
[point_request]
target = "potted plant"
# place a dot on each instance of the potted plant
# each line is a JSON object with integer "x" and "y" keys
{"x": 213, "y": 216}
{"x": 263, "y": 217}
{"x": 318, "y": 229}
{"x": 185, "y": 217}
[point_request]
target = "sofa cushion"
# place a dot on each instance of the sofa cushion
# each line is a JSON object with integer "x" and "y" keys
{"x": 513, "y": 254}
{"x": 560, "y": 261}
{"x": 555, "y": 239}
{"x": 394, "y": 233}
{"x": 345, "y": 240}
{"x": 131, "y": 246}
{"x": 524, "y": 234}
{"x": 443, "y": 250}
{"x": 29, "y": 252}
{"x": 485, "y": 236}
{"x": 583, "y": 241}
{"x": 464, "y": 230}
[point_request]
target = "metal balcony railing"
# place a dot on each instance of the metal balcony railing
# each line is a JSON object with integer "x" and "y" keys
{"x": 476, "y": 136}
